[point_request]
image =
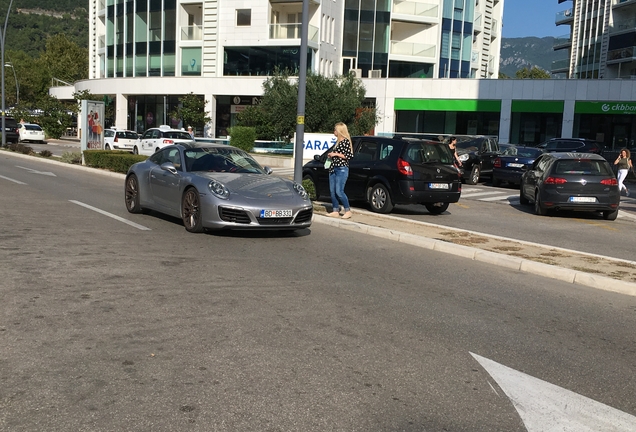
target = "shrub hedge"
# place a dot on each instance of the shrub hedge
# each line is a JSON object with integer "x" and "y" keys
{"x": 111, "y": 160}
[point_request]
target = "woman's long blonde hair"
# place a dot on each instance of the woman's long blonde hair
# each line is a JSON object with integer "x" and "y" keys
{"x": 342, "y": 130}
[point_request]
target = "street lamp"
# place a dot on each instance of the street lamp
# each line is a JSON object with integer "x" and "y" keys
{"x": 3, "y": 35}
{"x": 17, "y": 86}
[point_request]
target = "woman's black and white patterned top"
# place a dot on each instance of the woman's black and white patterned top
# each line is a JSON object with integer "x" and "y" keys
{"x": 343, "y": 147}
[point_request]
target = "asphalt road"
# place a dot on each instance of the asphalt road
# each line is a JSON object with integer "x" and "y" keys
{"x": 134, "y": 324}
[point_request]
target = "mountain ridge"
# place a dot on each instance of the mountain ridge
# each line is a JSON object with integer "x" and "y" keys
{"x": 517, "y": 53}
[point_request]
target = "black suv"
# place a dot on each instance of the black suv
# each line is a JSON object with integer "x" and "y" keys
{"x": 571, "y": 145}
{"x": 386, "y": 171}
{"x": 12, "y": 130}
{"x": 477, "y": 154}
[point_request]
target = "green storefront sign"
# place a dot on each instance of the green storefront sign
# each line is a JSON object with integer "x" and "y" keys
{"x": 447, "y": 105}
{"x": 605, "y": 108}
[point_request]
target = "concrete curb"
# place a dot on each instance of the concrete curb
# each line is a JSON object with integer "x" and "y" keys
{"x": 510, "y": 262}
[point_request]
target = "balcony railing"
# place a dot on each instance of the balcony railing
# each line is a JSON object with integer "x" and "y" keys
{"x": 621, "y": 55}
{"x": 292, "y": 31}
{"x": 564, "y": 16}
{"x": 413, "y": 49}
{"x": 622, "y": 25}
{"x": 474, "y": 59}
{"x": 561, "y": 42}
{"x": 405, "y": 7}
{"x": 101, "y": 42}
{"x": 190, "y": 33}
{"x": 561, "y": 65}
{"x": 477, "y": 23}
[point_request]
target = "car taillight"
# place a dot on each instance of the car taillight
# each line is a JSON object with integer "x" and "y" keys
{"x": 168, "y": 141}
{"x": 609, "y": 182}
{"x": 497, "y": 163}
{"x": 404, "y": 167}
{"x": 555, "y": 180}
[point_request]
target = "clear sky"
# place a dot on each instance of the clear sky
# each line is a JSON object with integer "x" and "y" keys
{"x": 533, "y": 18}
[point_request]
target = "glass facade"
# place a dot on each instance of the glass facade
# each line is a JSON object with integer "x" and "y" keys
{"x": 457, "y": 38}
{"x": 366, "y": 34}
{"x": 140, "y": 38}
{"x": 263, "y": 60}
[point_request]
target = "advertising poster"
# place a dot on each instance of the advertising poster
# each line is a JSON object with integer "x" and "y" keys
{"x": 315, "y": 144}
{"x": 92, "y": 125}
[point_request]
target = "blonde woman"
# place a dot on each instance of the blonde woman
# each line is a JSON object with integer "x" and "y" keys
{"x": 624, "y": 164}
{"x": 339, "y": 170}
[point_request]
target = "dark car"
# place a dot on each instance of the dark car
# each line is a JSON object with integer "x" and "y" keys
{"x": 512, "y": 163}
{"x": 477, "y": 155}
{"x": 571, "y": 181}
{"x": 12, "y": 130}
{"x": 386, "y": 171}
{"x": 579, "y": 145}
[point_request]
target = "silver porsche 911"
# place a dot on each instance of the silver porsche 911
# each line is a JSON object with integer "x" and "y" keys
{"x": 215, "y": 186}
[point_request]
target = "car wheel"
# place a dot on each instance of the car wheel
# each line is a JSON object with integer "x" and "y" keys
{"x": 495, "y": 181}
{"x": 315, "y": 194}
{"x": 474, "y": 175}
{"x": 132, "y": 194}
{"x": 539, "y": 209}
{"x": 522, "y": 198}
{"x": 437, "y": 209}
{"x": 191, "y": 211}
{"x": 135, "y": 150}
{"x": 379, "y": 199}
{"x": 610, "y": 215}
{"x": 106, "y": 147}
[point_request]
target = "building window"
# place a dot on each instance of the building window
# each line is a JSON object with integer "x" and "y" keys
{"x": 243, "y": 17}
{"x": 191, "y": 61}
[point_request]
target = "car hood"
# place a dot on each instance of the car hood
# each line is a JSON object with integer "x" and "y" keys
{"x": 255, "y": 186}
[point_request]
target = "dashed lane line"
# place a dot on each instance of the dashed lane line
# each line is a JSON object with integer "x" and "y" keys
{"x": 105, "y": 213}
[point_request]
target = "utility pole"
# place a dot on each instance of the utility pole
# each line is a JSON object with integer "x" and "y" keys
{"x": 302, "y": 84}
{"x": 3, "y": 36}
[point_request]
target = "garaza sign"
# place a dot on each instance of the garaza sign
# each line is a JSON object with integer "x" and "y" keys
{"x": 316, "y": 144}
{"x": 605, "y": 108}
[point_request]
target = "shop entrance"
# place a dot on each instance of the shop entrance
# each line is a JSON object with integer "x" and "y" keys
{"x": 621, "y": 135}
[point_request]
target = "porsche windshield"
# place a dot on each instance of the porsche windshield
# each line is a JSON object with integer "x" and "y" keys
{"x": 221, "y": 159}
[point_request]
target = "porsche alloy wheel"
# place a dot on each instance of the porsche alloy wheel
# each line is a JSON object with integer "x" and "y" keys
{"x": 191, "y": 211}
{"x": 132, "y": 194}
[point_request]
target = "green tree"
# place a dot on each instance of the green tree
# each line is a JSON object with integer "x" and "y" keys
{"x": 534, "y": 73}
{"x": 328, "y": 101}
{"x": 191, "y": 111}
{"x": 55, "y": 117}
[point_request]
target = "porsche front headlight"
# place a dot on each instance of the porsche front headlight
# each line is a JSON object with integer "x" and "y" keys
{"x": 218, "y": 189}
{"x": 300, "y": 190}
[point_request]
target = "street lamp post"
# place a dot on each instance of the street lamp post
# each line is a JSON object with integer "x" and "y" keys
{"x": 3, "y": 35}
{"x": 17, "y": 86}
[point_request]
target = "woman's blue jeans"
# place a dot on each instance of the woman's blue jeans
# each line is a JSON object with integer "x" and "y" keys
{"x": 337, "y": 181}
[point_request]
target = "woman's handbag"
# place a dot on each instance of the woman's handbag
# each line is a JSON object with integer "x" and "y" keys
{"x": 328, "y": 163}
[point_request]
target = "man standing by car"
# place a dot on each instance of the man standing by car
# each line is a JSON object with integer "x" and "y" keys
{"x": 191, "y": 132}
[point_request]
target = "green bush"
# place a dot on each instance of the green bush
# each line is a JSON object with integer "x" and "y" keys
{"x": 21, "y": 148}
{"x": 46, "y": 153}
{"x": 111, "y": 160}
{"x": 309, "y": 187}
{"x": 72, "y": 157}
{"x": 242, "y": 137}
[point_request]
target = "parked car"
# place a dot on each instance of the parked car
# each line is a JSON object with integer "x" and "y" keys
{"x": 512, "y": 163}
{"x": 571, "y": 181}
{"x": 477, "y": 155}
{"x": 579, "y": 145}
{"x": 157, "y": 138}
{"x": 12, "y": 133}
{"x": 216, "y": 186}
{"x": 386, "y": 171}
{"x": 31, "y": 132}
{"x": 120, "y": 139}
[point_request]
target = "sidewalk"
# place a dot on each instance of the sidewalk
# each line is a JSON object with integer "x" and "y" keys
{"x": 581, "y": 268}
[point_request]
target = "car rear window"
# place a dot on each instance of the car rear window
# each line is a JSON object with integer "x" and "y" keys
{"x": 127, "y": 135}
{"x": 32, "y": 127}
{"x": 177, "y": 135}
{"x": 523, "y": 152}
{"x": 425, "y": 152}
{"x": 583, "y": 166}
{"x": 109, "y": 133}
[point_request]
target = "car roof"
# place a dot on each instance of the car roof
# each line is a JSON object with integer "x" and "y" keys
{"x": 570, "y": 155}
{"x": 405, "y": 138}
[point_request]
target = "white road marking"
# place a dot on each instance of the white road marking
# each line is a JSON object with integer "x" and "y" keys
{"x": 471, "y": 195}
{"x": 548, "y": 408}
{"x": 14, "y": 181}
{"x": 500, "y": 197}
{"x": 46, "y": 173}
{"x": 120, "y": 219}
